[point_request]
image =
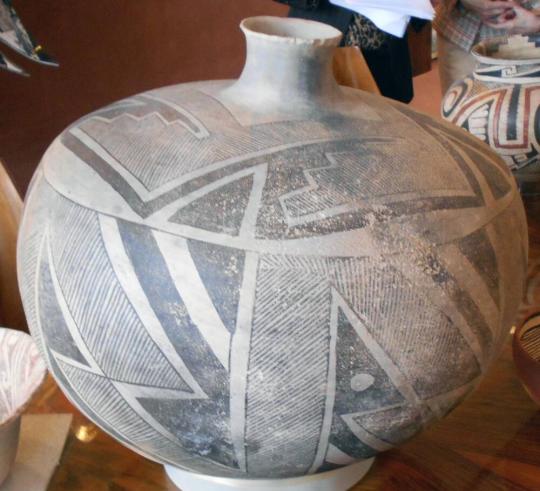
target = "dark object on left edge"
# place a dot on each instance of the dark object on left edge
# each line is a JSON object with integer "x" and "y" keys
{"x": 14, "y": 35}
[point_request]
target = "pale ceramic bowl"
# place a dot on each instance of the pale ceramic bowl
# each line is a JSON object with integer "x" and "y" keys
{"x": 526, "y": 350}
{"x": 22, "y": 371}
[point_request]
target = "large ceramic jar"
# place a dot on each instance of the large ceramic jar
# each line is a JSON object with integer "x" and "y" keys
{"x": 499, "y": 103}
{"x": 269, "y": 277}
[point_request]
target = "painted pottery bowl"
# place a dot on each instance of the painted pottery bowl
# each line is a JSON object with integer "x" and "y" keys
{"x": 526, "y": 350}
{"x": 22, "y": 371}
{"x": 269, "y": 277}
{"x": 499, "y": 104}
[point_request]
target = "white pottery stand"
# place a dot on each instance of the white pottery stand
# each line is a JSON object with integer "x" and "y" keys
{"x": 337, "y": 480}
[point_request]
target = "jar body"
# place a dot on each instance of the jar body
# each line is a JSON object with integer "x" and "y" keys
{"x": 246, "y": 288}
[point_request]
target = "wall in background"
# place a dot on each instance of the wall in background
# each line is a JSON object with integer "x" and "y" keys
{"x": 109, "y": 50}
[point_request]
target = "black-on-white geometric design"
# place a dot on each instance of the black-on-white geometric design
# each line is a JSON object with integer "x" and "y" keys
{"x": 269, "y": 299}
{"x": 500, "y": 104}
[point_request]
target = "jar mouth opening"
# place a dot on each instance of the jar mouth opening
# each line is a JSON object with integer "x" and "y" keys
{"x": 518, "y": 49}
{"x": 289, "y": 30}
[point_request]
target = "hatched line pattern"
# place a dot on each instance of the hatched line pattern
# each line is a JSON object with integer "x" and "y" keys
{"x": 288, "y": 360}
{"x": 101, "y": 395}
{"x": 105, "y": 318}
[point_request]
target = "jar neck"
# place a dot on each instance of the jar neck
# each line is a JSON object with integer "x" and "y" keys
{"x": 288, "y": 64}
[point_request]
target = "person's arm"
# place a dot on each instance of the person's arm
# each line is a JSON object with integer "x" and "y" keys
{"x": 518, "y": 21}
{"x": 485, "y": 9}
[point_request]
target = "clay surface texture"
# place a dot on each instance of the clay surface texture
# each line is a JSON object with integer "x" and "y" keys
{"x": 247, "y": 284}
{"x": 499, "y": 103}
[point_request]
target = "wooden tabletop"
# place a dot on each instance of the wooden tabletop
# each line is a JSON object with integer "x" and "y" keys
{"x": 490, "y": 442}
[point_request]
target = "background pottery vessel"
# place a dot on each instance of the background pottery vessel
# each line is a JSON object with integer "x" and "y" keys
{"x": 526, "y": 351}
{"x": 499, "y": 103}
{"x": 270, "y": 277}
{"x": 22, "y": 371}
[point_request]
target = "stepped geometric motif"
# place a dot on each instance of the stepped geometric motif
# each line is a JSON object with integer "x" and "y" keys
{"x": 248, "y": 299}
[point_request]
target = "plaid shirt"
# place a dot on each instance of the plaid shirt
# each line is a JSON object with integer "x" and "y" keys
{"x": 461, "y": 26}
